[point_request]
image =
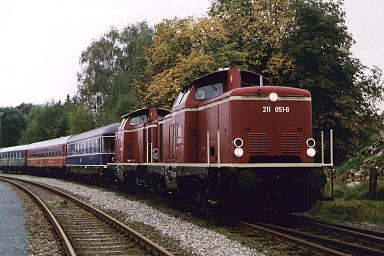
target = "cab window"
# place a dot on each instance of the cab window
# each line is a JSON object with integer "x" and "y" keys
{"x": 209, "y": 91}
{"x": 138, "y": 120}
{"x": 182, "y": 97}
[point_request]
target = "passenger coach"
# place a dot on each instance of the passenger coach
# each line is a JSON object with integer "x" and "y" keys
{"x": 13, "y": 159}
{"x": 47, "y": 156}
{"x": 89, "y": 153}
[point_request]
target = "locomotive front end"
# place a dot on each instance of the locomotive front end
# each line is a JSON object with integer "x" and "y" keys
{"x": 272, "y": 149}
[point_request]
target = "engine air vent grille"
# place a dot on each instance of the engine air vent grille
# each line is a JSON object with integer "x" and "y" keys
{"x": 258, "y": 142}
{"x": 290, "y": 143}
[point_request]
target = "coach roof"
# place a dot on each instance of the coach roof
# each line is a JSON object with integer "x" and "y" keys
{"x": 48, "y": 143}
{"x": 14, "y": 148}
{"x": 105, "y": 130}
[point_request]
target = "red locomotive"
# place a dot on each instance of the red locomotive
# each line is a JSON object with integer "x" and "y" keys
{"x": 230, "y": 139}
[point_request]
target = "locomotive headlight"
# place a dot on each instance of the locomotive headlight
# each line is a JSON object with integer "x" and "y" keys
{"x": 273, "y": 97}
{"x": 239, "y": 152}
{"x": 238, "y": 142}
{"x": 156, "y": 154}
{"x": 310, "y": 143}
{"x": 311, "y": 152}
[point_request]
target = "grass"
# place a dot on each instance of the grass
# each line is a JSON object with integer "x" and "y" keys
{"x": 351, "y": 203}
{"x": 358, "y": 211}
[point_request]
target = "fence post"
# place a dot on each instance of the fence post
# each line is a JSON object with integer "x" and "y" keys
{"x": 372, "y": 183}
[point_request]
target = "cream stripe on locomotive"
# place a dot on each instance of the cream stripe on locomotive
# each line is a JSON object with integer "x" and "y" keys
{"x": 249, "y": 98}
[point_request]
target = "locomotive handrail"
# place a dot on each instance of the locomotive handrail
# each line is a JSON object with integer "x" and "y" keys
{"x": 218, "y": 146}
{"x": 331, "y": 148}
{"x": 208, "y": 155}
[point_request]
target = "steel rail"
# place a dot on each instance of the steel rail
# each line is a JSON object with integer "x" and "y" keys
{"x": 366, "y": 236}
{"x": 377, "y": 234}
{"x": 331, "y": 243}
{"x": 67, "y": 244}
{"x": 300, "y": 243}
{"x": 139, "y": 238}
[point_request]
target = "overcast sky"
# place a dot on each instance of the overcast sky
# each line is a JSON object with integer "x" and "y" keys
{"x": 41, "y": 40}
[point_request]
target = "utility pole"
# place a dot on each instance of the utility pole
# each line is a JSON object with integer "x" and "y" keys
{"x": 1, "y": 113}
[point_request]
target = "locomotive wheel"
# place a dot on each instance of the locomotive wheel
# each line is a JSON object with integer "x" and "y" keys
{"x": 209, "y": 204}
{"x": 156, "y": 184}
{"x": 206, "y": 204}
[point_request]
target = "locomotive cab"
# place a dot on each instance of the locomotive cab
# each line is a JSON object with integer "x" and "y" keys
{"x": 137, "y": 141}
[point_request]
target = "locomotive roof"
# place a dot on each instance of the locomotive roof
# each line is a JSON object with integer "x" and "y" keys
{"x": 221, "y": 75}
{"x": 139, "y": 112}
{"x": 14, "y": 148}
{"x": 47, "y": 143}
{"x": 105, "y": 130}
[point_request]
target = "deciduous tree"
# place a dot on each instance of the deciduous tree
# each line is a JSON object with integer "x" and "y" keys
{"x": 109, "y": 67}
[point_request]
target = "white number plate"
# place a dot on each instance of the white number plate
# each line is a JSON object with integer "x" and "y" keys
{"x": 277, "y": 109}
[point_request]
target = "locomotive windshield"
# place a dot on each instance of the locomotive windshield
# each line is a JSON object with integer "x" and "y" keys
{"x": 252, "y": 79}
{"x": 181, "y": 98}
{"x": 209, "y": 91}
{"x": 139, "y": 120}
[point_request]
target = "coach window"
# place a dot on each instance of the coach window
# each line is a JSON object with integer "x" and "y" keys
{"x": 94, "y": 148}
{"x": 88, "y": 146}
{"x": 108, "y": 144}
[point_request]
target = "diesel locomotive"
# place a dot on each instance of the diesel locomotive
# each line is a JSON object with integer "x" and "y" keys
{"x": 231, "y": 140}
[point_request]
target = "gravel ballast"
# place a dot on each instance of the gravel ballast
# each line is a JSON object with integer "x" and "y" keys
{"x": 195, "y": 239}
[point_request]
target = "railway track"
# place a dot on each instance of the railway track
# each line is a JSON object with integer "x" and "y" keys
{"x": 363, "y": 237}
{"x": 332, "y": 240}
{"x": 311, "y": 237}
{"x": 85, "y": 230}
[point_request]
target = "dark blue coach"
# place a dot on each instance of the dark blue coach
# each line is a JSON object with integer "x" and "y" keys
{"x": 89, "y": 153}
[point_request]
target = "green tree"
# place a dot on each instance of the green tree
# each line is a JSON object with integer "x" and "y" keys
{"x": 182, "y": 50}
{"x": 81, "y": 119}
{"x": 45, "y": 122}
{"x": 343, "y": 97}
{"x": 109, "y": 67}
{"x": 12, "y": 126}
{"x": 257, "y": 30}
